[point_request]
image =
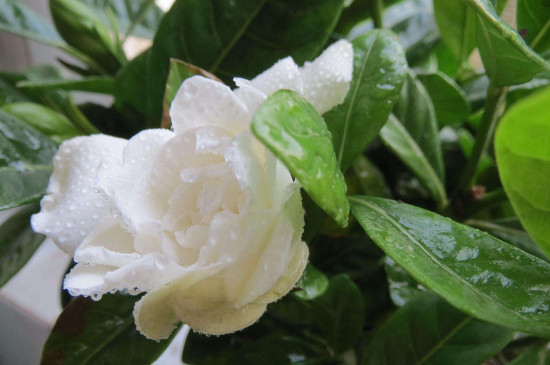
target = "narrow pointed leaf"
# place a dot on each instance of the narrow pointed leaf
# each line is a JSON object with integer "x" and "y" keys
{"x": 475, "y": 272}
{"x": 398, "y": 139}
{"x": 95, "y": 84}
{"x": 415, "y": 110}
{"x": 429, "y": 331}
{"x": 102, "y": 332}
{"x": 291, "y": 128}
{"x": 25, "y": 162}
{"x": 523, "y": 159}
{"x": 18, "y": 242}
{"x": 379, "y": 70}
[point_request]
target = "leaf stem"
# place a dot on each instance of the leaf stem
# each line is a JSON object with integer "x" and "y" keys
{"x": 495, "y": 100}
{"x": 376, "y": 8}
{"x": 80, "y": 120}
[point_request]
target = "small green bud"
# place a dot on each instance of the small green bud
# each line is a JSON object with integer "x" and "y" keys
{"x": 46, "y": 120}
{"x": 82, "y": 29}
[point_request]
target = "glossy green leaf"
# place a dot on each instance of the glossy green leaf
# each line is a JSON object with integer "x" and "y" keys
{"x": 17, "y": 18}
{"x": 95, "y": 84}
{"x": 45, "y": 120}
{"x": 429, "y": 331}
{"x": 25, "y": 162}
{"x": 481, "y": 275}
{"x": 449, "y": 100}
{"x": 227, "y": 38}
{"x": 509, "y": 230}
{"x": 340, "y": 313}
{"x": 138, "y": 17}
{"x": 523, "y": 159}
{"x": 533, "y": 20}
{"x": 102, "y": 332}
{"x": 399, "y": 140}
{"x": 379, "y": 69}
{"x": 415, "y": 110}
{"x": 291, "y": 128}
{"x": 457, "y": 24}
{"x": 312, "y": 284}
{"x": 403, "y": 288}
{"x": 506, "y": 57}
{"x": 18, "y": 242}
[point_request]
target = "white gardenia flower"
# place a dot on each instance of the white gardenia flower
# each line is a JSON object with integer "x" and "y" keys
{"x": 203, "y": 218}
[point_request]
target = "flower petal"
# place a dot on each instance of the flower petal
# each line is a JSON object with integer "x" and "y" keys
{"x": 285, "y": 74}
{"x": 202, "y": 102}
{"x": 72, "y": 209}
{"x": 326, "y": 80}
{"x": 127, "y": 183}
{"x": 199, "y": 306}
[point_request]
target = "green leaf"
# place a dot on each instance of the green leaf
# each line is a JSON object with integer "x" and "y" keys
{"x": 429, "y": 331}
{"x": 18, "y": 242}
{"x": 340, "y": 313}
{"x": 102, "y": 332}
{"x": 25, "y": 162}
{"x": 403, "y": 288}
{"x": 449, "y": 100}
{"x": 414, "y": 24}
{"x": 399, "y": 140}
{"x": 17, "y": 18}
{"x": 138, "y": 17}
{"x": 537, "y": 354}
{"x": 312, "y": 284}
{"x": 457, "y": 24}
{"x": 481, "y": 275}
{"x": 379, "y": 69}
{"x": 509, "y": 230}
{"x": 81, "y": 28}
{"x": 94, "y": 84}
{"x": 235, "y": 38}
{"x": 291, "y": 128}
{"x": 523, "y": 160}
{"x": 415, "y": 110}
{"x": 45, "y": 120}
{"x": 533, "y": 19}
{"x": 506, "y": 57}
{"x": 370, "y": 178}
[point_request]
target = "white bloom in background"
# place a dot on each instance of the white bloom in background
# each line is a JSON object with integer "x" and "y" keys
{"x": 203, "y": 218}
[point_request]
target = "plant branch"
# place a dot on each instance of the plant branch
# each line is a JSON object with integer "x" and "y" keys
{"x": 376, "y": 8}
{"x": 495, "y": 100}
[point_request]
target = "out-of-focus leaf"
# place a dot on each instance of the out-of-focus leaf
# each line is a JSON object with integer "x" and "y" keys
{"x": 379, "y": 70}
{"x": 533, "y": 18}
{"x": 403, "y": 288}
{"x": 18, "y": 242}
{"x": 45, "y": 120}
{"x": 95, "y": 84}
{"x": 312, "y": 284}
{"x": 293, "y": 130}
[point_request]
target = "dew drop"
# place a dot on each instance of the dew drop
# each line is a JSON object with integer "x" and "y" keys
{"x": 96, "y": 297}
